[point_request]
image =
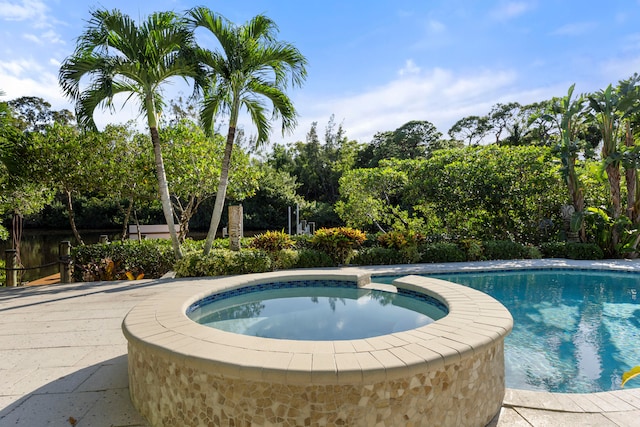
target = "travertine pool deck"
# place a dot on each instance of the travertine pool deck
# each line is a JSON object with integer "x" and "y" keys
{"x": 63, "y": 356}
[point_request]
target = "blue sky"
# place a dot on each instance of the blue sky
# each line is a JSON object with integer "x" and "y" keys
{"x": 374, "y": 64}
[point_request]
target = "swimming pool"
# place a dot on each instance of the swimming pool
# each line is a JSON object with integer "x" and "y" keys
{"x": 574, "y": 331}
{"x": 318, "y": 310}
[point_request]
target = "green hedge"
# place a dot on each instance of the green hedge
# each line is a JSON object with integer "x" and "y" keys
{"x": 442, "y": 252}
{"x": 584, "y": 251}
{"x": 112, "y": 261}
{"x": 378, "y": 256}
{"x": 221, "y": 262}
{"x": 504, "y": 249}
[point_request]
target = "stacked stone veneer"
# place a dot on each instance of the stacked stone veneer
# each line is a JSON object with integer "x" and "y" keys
{"x": 449, "y": 373}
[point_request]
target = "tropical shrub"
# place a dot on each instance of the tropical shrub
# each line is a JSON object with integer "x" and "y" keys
{"x": 338, "y": 242}
{"x": 405, "y": 241}
{"x": 504, "y": 249}
{"x": 313, "y": 258}
{"x": 442, "y": 252}
{"x": 221, "y": 262}
{"x": 378, "y": 256}
{"x": 554, "y": 249}
{"x": 284, "y": 259}
{"x": 112, "y": 261}
{"x": 473, "y": 249}
{"x": 583, "y": 251}
{"x": 272, "y": 241}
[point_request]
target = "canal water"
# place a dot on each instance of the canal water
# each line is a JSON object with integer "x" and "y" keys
{"x": 40, "y": 247}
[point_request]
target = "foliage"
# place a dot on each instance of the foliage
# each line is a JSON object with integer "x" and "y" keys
{"x": 275, "y": 193}
{"x": 3, "y": 273}
{"x": 193, "y": 163}
{"x": 34, "y": 114}
{"x": 504, "y": 249}
{"x": 413, "y": 140}
{"x": 272, "y": 241}
{"x": 284, "y": 259}
{"x": 473, "y": 249}
{"x": 338, "y": 242}
{"x": 112, "y": 261}
{"x": 554, "y": 249}
{"x": 406, "y": 242}
{"x": 251, "y": 67}
{"x": 313, "y": 258}
{"x": 377, "y": 255}
{"x": 220, "y": 262}
{"x": 583, "y": 251}
{"x": 372, "y": 197}
{"x": 118, "y": 56}
{"x": 442, "y": 252}
{"x": 489, "y": 192}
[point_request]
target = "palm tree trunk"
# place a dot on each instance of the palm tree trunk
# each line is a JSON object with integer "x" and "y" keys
{"x": 222, "y": 191}
{"x": 613, "y": 175}
{"x": 167, "y": 209}
{"x": 163, "y": 186}
{"x": 630, "y": 175}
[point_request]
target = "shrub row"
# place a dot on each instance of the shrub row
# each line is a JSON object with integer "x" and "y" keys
{"x": 278, "y": 251}
{"x": 122, "y": 260}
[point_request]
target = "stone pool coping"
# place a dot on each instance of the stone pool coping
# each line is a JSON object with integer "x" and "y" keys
{"x": 475, "y": 322}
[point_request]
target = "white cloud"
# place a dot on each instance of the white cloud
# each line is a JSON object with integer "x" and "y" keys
{"x": 511, "y": 9}
{"x": 34, "y": 11}
{"x": 575, "y": 29}
{"x": 436, "y": 27}
{"x": 410, "y": 67}
{"x": 438, "y": 95}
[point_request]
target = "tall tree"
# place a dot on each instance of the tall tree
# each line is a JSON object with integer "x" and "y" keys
{"x": 34, "y": 114}
{"x": 118, "y": 56}
{"x": 251, "y": 67}
{"x": 567, "y": 116}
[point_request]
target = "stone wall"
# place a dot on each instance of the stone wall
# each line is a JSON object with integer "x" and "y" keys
{"x": 170, "y": 392}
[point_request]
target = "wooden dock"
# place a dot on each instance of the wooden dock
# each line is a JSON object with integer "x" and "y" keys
{"x": 48, "y": 280}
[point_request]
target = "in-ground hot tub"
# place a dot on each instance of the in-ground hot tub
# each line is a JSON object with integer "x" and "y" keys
{"x": 448, "y": 372}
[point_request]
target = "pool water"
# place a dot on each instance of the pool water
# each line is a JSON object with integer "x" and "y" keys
{"x": 317, "y": 313}
{"x": 574, "y": 331}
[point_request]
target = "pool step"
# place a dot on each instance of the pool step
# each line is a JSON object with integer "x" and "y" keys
{"x": 380, "y": 287}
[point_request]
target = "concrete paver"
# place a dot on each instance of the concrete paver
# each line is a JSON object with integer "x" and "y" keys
{"x": 63, "y": 359}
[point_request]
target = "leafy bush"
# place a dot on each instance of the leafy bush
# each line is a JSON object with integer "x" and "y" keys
{"x": 272, "y": 241}
{"x": 378, "y": 256}
{"x": 584, "y": 251}
{"x": 400, "y": 239}
{"x": 284, "y": 259}
{"x": 338, "y": 242}
{"x": 473, "y": 249}
{"x": 313, "y": 258}
{"x": 406, "y": 242}
{"x": 504, "y": 249}
{"x": 221, "y": 262}
{"x": 533, "y": 252}
{"x": 112, "y": 261}
{"x": 3, "y": 273}
{"x": 442, "y": 252}
{"x": 554, "y": 249}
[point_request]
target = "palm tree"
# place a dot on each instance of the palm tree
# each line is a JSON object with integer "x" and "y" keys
{"x": 567, "y": 115}
{"x": 118, "y": 56}
{"x": 252, "y": 67}
{"x": 611, "y": 110}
